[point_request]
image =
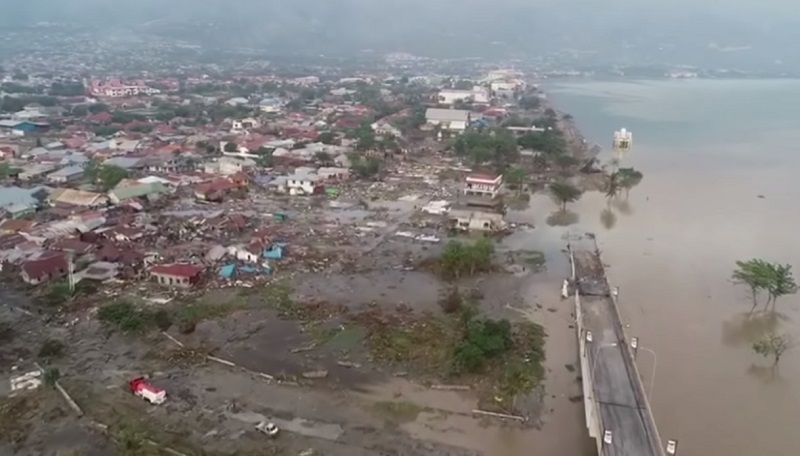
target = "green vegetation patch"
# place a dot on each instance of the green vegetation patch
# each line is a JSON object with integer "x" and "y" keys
{"x": 401, "y": 412}
{"x": 346, "y": 339}
{"x": 501, "y": 359}
{"x": 124, "y": 316}
{"x": 466, "y": 259}
{"x": 535, "y": 259}
{"x": 426, "y": 344}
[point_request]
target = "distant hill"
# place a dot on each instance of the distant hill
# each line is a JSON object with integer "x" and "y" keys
{"x": 633, "y": 31}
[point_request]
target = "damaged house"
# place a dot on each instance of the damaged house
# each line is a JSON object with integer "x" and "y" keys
{"x": 49, "y": 266}
{"x": 176, "y": 275}
{"x": 471, "y": 218}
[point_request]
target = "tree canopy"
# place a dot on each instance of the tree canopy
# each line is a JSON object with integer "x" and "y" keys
{"x": 628, "y": 178}
{"x": 480, "y": 147}
{"x": 515, "y": 176}
{"x": 775, "y": 279}
{"x": 108, "y": 176}
{"x": 562, "y": 192}
{"x": 549, "y": 142}
{"x": 773, "y": 345}
{"x": 364, "y": 167}
{"x": 459, "y": 259}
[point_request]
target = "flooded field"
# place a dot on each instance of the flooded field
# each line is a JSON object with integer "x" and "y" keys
{"x": 719, "y": 186}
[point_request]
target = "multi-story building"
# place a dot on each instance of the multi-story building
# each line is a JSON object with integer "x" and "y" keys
{"x": 116, "y": 88}
{"x": 483, "y": 185}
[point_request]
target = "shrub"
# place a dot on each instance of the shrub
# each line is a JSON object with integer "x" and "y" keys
{"x": 482, "y": 340}
{"x": 124, "y": 316}
{"x": 452, "y": 302}
{"x": 6, "y": 332}
{"x": 162, "y": 319}
{"x": 51, "y": 377}
{"x": 57, "y": 293}
{"x": 51, "y": 349}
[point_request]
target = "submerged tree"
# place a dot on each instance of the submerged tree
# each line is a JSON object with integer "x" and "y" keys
{"x": 612, "y": 188}
{"x": 782, "y": 282}
{"x": 628, "y": 178}
{"x": 459, "y": 258}
{"x": 562, "y": 193}
{"x": 774, "y": 345}
{"x": 754, "y": 273}
{"x": 516, "y": 176}
{"x": 608, "y": 218}
{"x": 775, "y": 279}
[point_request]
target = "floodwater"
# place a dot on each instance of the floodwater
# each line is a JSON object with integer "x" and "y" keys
{"x": 721, "y": 161}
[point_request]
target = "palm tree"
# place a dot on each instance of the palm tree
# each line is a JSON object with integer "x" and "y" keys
{"x": 613, "y": 187}
{"x": 628, "y": 178}
{"x": 563, "y": 192}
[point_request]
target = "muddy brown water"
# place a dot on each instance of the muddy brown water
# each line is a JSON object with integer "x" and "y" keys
{"x": 720, "y": 185}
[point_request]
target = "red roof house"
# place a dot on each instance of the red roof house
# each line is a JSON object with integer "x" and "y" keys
{"x": 54, "y": 265}
{"x": 100, "y": 118}
{"x": 176, "y": 275}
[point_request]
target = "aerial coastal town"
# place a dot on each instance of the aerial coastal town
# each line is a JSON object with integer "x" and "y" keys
{"x": 278, "y": 262}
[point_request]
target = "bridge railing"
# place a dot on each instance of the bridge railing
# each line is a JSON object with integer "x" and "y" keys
{"x": 640, "y": 393}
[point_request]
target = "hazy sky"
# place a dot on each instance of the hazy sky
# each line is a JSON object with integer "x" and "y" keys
{"x": 604, "y": 26}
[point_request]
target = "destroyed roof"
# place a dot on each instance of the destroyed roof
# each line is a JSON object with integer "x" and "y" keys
{"x": 72, "y": 245}
{"x": 138, "y": 190}
{"x": 76, "y": 197}
{"x": 67, "y": 171}
{"x": 125, "y": 162}
{"x": 178, "y": 270}
{"x": 46, "y": 265}
{"x": 217, "y": 185}
{"x": 16, "y": 225}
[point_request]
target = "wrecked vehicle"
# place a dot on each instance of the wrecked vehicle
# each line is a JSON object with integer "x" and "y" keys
{"x": 270, "y": 429}
{"x": 140, "y": 387}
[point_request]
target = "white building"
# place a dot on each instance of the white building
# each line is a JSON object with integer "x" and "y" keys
{"x": 270, "y": 105}
{"x": 238, "y": 126}
{"x": 480, "y": 95}
{"x": 227, "y": 166}
{"x": 495, "y": 75}
{"x": 448, "y": 119}
{"x": 303, "y": 183}
{"x": 486, "y": 185}
{"x": 244, "y": 253}
{"x": 116, "y": 88}
{"x": 505, "y": 85}
{"x": 385, "y": 128}
{"x": 451, "y": 96}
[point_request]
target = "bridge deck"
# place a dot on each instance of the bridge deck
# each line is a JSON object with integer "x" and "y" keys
{"x": 617, "y": 390}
